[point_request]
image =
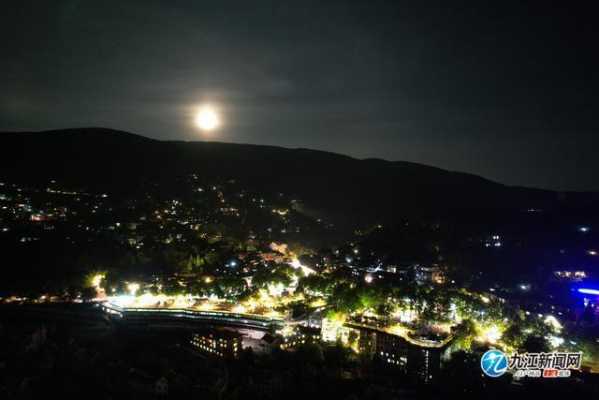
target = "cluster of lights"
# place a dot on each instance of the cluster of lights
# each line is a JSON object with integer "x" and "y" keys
{"x": 490, "y": 334}
{"x": 268, "y": 301}
{"x": 217, "y": 346}
{"x": 296, "y": 264}
{"x": 555, "y": 341}
{"x": 132, "y": 288}
{"x": 96, "y": 281}
{"x": 406, "y": 315}
{"x": 553, "y": 323}
{"x": 573, "y": 275}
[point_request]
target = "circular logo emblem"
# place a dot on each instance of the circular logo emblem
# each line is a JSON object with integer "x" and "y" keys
{"x": 494, "y": 363}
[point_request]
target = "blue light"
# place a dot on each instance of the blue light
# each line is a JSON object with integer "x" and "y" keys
{"x": 589, "y": 291}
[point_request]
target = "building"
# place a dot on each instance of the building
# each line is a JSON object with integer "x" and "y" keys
{"x": 429, "y": 274}
{"x": 570, "y": 275}
{"x": 424, "y": 364}
{"x": 300, "y": 335}
{"x": 390, "y": 349}
{"x": 420, "y": 363}
{"x": 219, "y": 343}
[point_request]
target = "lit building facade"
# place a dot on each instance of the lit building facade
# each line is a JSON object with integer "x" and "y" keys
{"x": 219, "y": 343}
{"x": 420, "y": 363}
{"x": 301, "y": 335}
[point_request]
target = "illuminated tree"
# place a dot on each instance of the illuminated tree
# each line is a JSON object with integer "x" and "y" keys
{"x": 464, "y": 335}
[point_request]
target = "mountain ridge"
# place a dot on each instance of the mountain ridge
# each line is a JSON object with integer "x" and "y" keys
{"x": 364, "y": 190}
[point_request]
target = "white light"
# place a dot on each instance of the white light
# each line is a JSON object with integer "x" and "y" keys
{"x": 239, "y": 309}
{"x": 491, "y": 334}
{"x": 295, "y": 263}
{"x": 133, "y": 288}
{"x": 207, "y": 118}
{"x": 553, "y": 322}
{"x": 555, "y": 341}
{"x": 122, "y": 300}
{"x": 97, "y": 280}
{"x": 368, "y": 278}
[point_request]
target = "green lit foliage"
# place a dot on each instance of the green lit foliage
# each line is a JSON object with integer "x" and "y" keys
{"x": 464, "y": 335}
{"x": 231, "y": 287}
{"x": 276, "y": 274}
{"x": 316, "y": 284}
{"x": 513, "y": 336}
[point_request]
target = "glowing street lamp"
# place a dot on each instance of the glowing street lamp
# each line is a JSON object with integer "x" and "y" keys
{"x": 133, "y": 288}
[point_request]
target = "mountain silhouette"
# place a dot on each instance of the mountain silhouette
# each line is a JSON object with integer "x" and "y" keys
{"x": 346, "y": 188}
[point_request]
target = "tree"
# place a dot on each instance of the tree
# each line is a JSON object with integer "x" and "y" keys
{"x": 464, "y": 334}
{"x": 232, "y": 287}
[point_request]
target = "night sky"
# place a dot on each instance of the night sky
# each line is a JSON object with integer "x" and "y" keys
{"x": 506, "y": 91}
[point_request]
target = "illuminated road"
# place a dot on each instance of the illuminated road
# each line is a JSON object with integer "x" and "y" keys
{"x": 178, "y": 317}
{"x": 185, "y": 316}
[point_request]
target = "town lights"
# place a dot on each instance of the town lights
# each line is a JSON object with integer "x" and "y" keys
{"x": 239, "y": 309}
{"x": 97, "y": 280}
{"x": 133, "y": 288}
{"x": 398, "y": 330}
{"x": 295, "y": 264}
{"x": 553, "y": 322}
{"x": 490, "y": 334}
{"x": 555, "y": 341}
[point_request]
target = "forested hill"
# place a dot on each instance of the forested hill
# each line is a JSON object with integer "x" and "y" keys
{"x": 346, "y": 188}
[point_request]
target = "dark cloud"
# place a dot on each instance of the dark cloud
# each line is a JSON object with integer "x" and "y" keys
{"x": 506, "y": 91}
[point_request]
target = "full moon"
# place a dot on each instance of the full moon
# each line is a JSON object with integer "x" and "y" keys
{"x": 207, "y": 119}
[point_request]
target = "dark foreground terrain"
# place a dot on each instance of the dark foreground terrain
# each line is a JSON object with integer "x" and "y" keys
{"x": 71, "y": 351}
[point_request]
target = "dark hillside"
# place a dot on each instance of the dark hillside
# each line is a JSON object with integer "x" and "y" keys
{"x": 355, "y": 190}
